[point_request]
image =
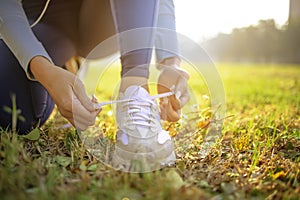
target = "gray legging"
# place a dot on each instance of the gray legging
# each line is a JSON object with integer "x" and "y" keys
{"x": 68, "y": 28}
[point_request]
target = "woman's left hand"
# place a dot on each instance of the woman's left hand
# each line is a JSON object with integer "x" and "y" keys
{"x": 176, "y": 79}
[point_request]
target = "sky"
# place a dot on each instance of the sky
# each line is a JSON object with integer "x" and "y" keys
{"x": 203, "y": 19}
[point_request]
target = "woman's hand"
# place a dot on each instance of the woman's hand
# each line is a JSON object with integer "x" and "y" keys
{"x": 173, "y": 76}
{"x": 67, "y": 91}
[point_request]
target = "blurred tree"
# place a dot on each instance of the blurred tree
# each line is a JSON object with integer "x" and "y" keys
{"x": 264, "y": 42}
{"x": 294, "y": 12}
{"x": 292, "y": 41}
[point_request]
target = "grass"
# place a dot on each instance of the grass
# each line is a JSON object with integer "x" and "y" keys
{"x": 257, "y": 157}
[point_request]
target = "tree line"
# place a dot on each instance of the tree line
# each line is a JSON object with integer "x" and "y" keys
{"x": 264, "y": 42}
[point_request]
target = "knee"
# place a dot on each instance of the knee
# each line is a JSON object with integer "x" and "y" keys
{"x": 24, "y": 125}
{"x": 28, "y": 117}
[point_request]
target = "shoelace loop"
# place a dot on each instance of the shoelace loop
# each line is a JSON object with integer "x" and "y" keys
{"x": 140, "y": 112}
{"x": 105, "y": 103}
{"x": 139, "y": 109}
{"x": 100, "y": 105}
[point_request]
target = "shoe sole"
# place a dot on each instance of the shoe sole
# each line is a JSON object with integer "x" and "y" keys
{"x": 143, "y": 159}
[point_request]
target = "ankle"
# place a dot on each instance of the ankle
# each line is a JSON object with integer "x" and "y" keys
{"x": 170, "y": 61}
{"x": 133, "y": 80}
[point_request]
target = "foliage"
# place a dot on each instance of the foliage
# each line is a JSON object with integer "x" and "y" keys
{"x": 264, "y": 42}
{"x": 257, "y": 158}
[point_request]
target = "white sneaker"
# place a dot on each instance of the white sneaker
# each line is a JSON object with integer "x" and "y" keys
{"x": 142, "y": 145}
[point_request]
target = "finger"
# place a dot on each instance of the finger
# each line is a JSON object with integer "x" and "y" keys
{"x": 181, "y": 87}
{"x": 163, "y": 112}
{"x": 81, "y": 115}
{"x": 175, "y": 102}
{"x": 87, "y": 120}
{"x": 80, "y": 122}
{"x": 184, "y": 99}
{"x": 65, "y": 111}
{"x": 78, "y": 126}
{"x": 172, "y": 115}
{"x": 81, "y": 94}
{"x": 182, "y": 91}
{"x": 94, "y": 99}
{"x": 70, "y": 108}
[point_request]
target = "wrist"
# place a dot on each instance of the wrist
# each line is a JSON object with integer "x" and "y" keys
{"x": 37, "y": 67}
{"x": 171, "y": 62}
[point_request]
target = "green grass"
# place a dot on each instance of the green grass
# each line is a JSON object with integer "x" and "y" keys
{"x": 257, "y": 158}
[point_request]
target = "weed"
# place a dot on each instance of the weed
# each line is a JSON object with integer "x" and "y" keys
{"x": 257, "y": 156}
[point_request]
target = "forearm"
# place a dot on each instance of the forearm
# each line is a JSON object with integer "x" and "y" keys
{"x": 17, "y": 34}
{"x": 39, "y": 67}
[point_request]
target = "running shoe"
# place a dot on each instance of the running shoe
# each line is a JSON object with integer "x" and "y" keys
{"x": 142, "y": 145}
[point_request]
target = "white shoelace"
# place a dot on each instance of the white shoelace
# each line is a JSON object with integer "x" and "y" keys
{"x": 143, "y": 111}
{"x": 162, "y": 95}
{"x": 100, "y": 105}
{"x": 139, "y": 110}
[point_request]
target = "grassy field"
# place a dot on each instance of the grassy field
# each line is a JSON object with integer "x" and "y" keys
{"x": 258, "y": 156}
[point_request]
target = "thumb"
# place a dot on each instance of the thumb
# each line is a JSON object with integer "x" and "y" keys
{"x": 180, "y": 88}
{"x": 185, "y": 98}
{"x": 182, "y": 91}
{"x": 81, "y": 94}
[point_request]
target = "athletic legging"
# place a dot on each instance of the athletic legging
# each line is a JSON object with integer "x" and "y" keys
{"x": 69, "y": 28}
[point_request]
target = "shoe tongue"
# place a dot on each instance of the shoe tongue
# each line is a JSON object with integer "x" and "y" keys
{"x": 136, "y": 91}
{"x": 143, "y": 131}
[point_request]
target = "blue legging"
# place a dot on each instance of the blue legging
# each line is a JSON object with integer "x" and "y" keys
{"x": 67, "y": 30}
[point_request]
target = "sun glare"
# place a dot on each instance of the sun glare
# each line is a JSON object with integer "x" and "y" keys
{"x": 201, "y": 19}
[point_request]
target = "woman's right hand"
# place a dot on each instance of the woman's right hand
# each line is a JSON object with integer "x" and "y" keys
{"x": 67, "y": 91}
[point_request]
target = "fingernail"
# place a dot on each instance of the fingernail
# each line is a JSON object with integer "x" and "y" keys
{"x": 172, "y": 88}
{"x": 97, "y": 107}
{"x": 94, "y": 99}
{"x": 165, "y": 100}
{"x": 178, "y": 94}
